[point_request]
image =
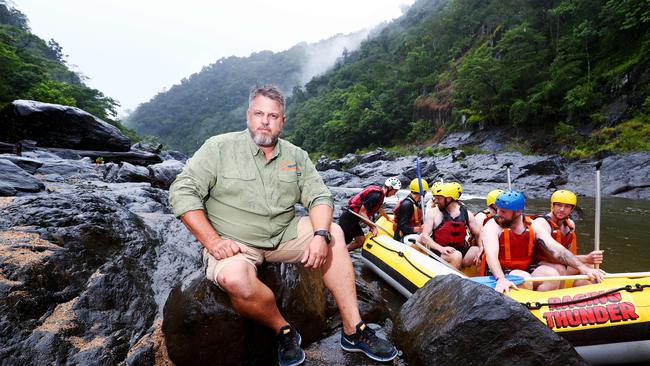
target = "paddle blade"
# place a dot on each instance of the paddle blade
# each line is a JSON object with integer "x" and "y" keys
{"x": 491, "y": 281}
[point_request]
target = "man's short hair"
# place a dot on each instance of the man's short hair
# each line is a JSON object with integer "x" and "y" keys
{"x": 270, "y": 91}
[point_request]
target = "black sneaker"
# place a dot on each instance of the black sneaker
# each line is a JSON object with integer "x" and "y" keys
{"x": 365, "y": 340}
{"x": 289, "y": 351}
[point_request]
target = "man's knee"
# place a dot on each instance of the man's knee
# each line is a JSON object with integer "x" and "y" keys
{"x": 237, "y": 279}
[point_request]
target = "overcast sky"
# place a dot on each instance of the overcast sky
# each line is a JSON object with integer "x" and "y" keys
{"x": 132, "y": 49}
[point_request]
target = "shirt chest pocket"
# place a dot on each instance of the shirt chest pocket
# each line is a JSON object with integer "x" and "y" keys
{"x": 238, "y": 183}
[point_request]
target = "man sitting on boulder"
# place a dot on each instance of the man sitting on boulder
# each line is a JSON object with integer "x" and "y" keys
{"x": 366, "y": 203}
{"x": 510, "y": 239}
{"x": 237, "y": 196}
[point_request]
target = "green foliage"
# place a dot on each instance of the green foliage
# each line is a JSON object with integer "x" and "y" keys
{"x": 629, "y": 136}
{"x": 31, "y": 68}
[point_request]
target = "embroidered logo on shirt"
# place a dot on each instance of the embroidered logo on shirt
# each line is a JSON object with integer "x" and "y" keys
{"x": 288, "y": 166}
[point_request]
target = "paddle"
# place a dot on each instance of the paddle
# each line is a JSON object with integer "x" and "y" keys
{"x": 597, "y": 218}
{"x": 491, "y": 281}
{"x": 426, "y": 250}
{"x": 508, "y": 165}
{"x": 417, "y": 173}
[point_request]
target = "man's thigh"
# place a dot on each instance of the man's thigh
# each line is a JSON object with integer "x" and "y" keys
{"x": 292, "y": 251}
{"x": 253, "y": 256}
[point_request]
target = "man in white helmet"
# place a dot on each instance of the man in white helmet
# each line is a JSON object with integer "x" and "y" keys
{"x": 366, "y": 203}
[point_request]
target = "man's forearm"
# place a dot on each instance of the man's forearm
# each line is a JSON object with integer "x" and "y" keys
{"x": 320, "y": 217}
{"x": 199, "y": 225}
{"x": 561, "y": 254}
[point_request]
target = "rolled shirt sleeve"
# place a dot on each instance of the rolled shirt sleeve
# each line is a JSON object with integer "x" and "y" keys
{"x": 192, "y": 186}
{"x": 313, "y": 191}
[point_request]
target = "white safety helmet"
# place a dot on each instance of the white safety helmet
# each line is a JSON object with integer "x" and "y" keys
{"x": 394, "y": 183}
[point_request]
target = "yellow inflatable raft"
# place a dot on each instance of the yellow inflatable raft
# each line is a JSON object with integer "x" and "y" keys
{"x": 607, "y": 323}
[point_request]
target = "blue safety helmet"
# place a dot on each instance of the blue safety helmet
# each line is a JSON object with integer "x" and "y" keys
{"x": 511, "y": 200}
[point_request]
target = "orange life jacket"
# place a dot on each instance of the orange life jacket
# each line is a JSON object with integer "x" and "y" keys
{"x": 452, "y": 230}
{"x": 416, "y": 218}
{"x": 356, "y": 201}
{"x": 515, "y": 250}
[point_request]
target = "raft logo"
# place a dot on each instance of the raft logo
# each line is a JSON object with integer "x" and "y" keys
{"x": 596, "y": 310}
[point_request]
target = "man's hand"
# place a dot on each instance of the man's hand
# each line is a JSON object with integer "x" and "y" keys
{"x": 504, "y": 286}
{"x": 479, "y": 257}
{"x": 447, "y": 250}
{"x": 374, "y": 230}
{"x": 224, "y": 248}
{"x": 595, "y": 257}
{"x": 595, "y": 275}
{"x": 417, "y": 229}
{"x": 315, "y": 253}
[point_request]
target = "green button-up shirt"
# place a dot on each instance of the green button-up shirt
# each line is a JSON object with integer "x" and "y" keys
{"x": 246, "y": 198}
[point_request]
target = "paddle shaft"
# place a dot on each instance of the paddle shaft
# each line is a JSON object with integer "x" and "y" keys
{"x": 419, "y": 176}
{"x": 426, "y": 250}
{"x": 585, "y": 277}
{"x": 597, "y": 218}
{"x": 508, "y": 165}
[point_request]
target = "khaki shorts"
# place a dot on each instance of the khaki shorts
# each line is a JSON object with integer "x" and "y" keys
{"x": 290, "y": 251}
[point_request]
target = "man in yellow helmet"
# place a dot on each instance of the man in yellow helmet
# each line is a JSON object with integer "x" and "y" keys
{"x": 491, "y": 210}
{"x": 558, "y": 226}
{"x": 408, "y": 212}
{"x": 447, "y": 224}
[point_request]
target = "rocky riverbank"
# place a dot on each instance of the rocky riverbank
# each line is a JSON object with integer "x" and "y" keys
{"x": 94, "y": 269}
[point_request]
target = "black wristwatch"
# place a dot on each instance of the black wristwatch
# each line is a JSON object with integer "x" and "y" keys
{"x": 325, "y": 234}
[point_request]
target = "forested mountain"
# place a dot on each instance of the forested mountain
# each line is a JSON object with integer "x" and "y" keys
{"x": 31, "y": 68}
{"x": 214, "y": 100}
{"x": 561, "y": 69}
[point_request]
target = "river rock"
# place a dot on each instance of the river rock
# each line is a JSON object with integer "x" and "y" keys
{"x": 200, "y": 323}
{"x": 16, "y": 179}
{"x": 131, "y": 173}
{"x": 53, "y": 125}
{"x": 454, "y": 321}
{"x": 164, "y": 174}
{"x": 26, "y": 164}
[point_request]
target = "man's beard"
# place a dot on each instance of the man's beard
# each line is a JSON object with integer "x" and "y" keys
{"x": 263, "y": 140}
{"x": 505, "y": 223}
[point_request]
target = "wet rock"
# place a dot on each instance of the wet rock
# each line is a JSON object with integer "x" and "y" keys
{"x": 131, "y": 173}
{"x": 617, "y": 111}
{"x": 175, "y": 155}
{"x": 7, "y": 190}
{"x": 549, "y": 166}
{"x": 54, "y": 125}
{"x": 85, "y": 272}
{"x": 453, "y": 321}
{"x": 324, "y": 163}
{"x": 148, "y": 147}
{"x": 13, "y": 177}
{"x": 55, "y": 170}
{"x": 335, "y": 178}
{"x": 163, "y": 174}
{"x": 26, "y": 164}
{"x": 199, "y": 322}
{"x": 372, "y": 156}
{"x": 328, "y": 351}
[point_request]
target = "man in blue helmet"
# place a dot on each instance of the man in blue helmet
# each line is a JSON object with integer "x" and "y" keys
{"x": 510, "y": 241}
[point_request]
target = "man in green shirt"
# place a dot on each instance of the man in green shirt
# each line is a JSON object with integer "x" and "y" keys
{"x": 237, "y": 196}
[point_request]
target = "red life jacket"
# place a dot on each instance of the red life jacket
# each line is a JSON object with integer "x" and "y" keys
{"x": 488, "y": 216}
{"x": 515, "y": 250}
{"x": 452, "y": 230}
{"x": 356, "y": 201}
{"x": 416, "y": 218}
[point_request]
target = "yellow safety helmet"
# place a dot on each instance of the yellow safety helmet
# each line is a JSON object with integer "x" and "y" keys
{"x": 414, "y": 186}
{"x": 564, "y": 196}
{"x": 457, "y": 186}
{"x": 492, "y": 196}
{"x": 437, "y": 184}
{"x": 451, "y": 190}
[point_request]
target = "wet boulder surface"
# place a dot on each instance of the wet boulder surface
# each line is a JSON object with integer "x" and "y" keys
{"x": 54, "y": 125}
{"x": 454, "y": 321}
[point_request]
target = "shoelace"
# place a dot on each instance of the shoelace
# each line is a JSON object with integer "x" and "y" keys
{"x": 368, "y": 336}
{"x": 287, "y": 341}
